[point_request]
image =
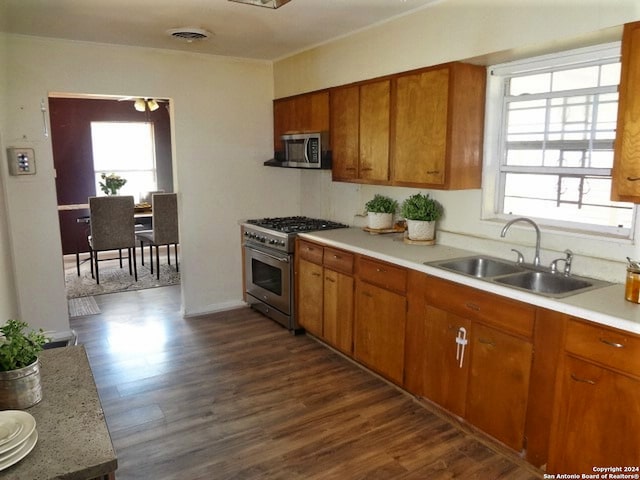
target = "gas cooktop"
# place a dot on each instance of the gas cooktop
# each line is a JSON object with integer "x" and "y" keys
{"x": 279, "y": 232}
{"x": 295, "y": 224}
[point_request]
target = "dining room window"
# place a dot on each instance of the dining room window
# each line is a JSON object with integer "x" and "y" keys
{"x": 556, "y": 137}
{"x": 126, "y": 149}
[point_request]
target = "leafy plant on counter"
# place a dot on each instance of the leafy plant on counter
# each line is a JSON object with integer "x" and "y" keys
{"x": 421, "y": 207}
{"x": 381, "y": 204}
{"x": 112, "y": 183}
{"x": 18, "y": 348}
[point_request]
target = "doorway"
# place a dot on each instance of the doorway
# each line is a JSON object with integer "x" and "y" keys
{"x": 78, "y": 126}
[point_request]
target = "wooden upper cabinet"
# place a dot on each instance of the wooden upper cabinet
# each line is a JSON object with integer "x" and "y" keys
{"x": 303, "y": 113}
{"x": 375, "y": 101}
{"x": 626, "y": 164}
{"x": 345, "y": 132}
{"x": 421, "y": 127}
{"x": 439, "y": 127}
{"x": 360, "y": 132}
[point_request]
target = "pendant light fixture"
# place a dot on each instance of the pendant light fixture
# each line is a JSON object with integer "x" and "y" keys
{"x": 263, "y": 3}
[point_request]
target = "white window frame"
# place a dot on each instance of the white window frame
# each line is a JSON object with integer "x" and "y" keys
{"x": 495, "y": 142}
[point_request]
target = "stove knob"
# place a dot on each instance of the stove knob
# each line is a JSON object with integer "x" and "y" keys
{"x": 263, "y": 239}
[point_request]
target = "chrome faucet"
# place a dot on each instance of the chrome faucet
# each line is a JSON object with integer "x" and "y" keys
{"x": 536, "y": 258}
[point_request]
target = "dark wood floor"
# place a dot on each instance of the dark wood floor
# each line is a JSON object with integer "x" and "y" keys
{"x": 235, "y": 396}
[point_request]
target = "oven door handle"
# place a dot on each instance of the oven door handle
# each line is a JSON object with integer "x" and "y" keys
{"x": 279, "y": 259}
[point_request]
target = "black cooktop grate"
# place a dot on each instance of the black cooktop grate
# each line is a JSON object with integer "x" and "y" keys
{"x": 296, "y": 224}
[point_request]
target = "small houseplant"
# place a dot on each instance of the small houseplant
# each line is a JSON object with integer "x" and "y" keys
{"x": 111, "y": 183}
{"x": 421, "y": 213}
{"x": 380, "y": 210}
{"x": 19, "y": 365}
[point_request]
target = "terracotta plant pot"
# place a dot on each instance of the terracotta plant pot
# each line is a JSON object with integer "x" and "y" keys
{"x": 379, "y": 221}
{"x": 421, "y": 230}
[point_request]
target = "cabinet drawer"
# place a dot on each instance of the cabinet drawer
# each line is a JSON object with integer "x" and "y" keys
{"x": 611, "y": 347}
{"x": 501, "y": 312}
{"x": 383, "y": 274}
{"x": 310, "y": 251}
{"x": 338, "y": 260}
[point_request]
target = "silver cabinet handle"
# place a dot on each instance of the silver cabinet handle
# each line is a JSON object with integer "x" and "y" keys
{"x": 575, "y": 378}
{"x": 329, "y": 279}
{"x": 487, "y": 342}
{"x": 315, "y": 274}
{"x": 633, "y": 179}
{"x": 611, "y": 344}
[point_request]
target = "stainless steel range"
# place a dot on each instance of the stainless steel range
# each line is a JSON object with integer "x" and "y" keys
{"x": 269, "y": 245}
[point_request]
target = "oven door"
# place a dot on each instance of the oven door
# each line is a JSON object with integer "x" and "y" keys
{"x": 268, "y": 277}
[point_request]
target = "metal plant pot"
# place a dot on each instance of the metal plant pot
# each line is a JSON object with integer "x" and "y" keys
{"x": 20, "y": 388}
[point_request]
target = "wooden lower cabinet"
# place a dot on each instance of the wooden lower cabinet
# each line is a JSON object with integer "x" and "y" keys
{"x": 597, "y": 421}
{"x": 310, "y": 296}
{"x": 596, "y": 415}
{"x": 499, "y": 384}
{"x": 325, "y": 287}
{"x": 338, "y": 308}
{"x": 446, "y": 362}
{"x": 379, "y": 330}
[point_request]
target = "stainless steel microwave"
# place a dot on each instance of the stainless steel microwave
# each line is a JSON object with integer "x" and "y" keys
{"x": 306, "y": 150}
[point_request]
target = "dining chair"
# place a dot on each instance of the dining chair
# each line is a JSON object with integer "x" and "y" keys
{"x": 164, "y": 208}
{"x": 112, "y": 228}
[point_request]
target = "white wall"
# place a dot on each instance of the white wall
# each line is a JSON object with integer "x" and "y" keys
{"x": 450, "y": 30}
{"x": 222, "y": 118}
{"x": 8, "y": 305}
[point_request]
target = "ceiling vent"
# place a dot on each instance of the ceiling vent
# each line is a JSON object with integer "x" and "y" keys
{"x": 189, "y": 34}
{"x": 264, "y": 3}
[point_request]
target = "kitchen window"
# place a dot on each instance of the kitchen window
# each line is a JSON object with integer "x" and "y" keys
{"x": 555, "y": 118}
{"x": 126, "y": 149}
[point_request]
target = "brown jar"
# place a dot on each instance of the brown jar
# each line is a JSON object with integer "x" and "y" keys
{"x": 632, "y": 287}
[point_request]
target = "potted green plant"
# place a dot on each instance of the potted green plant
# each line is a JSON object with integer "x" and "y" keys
{"x": 421, "y": 213}
{"x": 19, "y": 365}
{"x": 380, "y": 210}
{"x": 112, "y": 183}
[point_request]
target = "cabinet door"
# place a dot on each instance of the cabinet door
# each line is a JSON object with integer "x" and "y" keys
{"x": 375, "y": 100}
{"x": 379, "y": 330}
{"x": 499, "y": 384}
{"x": 338, "y": 310}
{"x": 421, "y": 128}
{"x": 345, "y": 132}
{"x": 310, "y": 296}
{"x": 446, "y": 361}
{"x": 597, "y": 419}
{"x": 626, "y": 166}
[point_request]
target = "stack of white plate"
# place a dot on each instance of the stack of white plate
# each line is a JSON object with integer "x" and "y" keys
{"x": 18, "y": 436}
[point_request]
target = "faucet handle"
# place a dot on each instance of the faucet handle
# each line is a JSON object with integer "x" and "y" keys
{"x": 567, "y": 263}
{"x": 520, "y": 256}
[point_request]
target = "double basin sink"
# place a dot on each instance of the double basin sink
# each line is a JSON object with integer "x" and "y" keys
{"x": 527, "y": 278}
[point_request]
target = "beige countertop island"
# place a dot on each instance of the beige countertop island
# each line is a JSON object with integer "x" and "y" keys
{"x": 73, "y": 438}
{"x": 605, "y": 305}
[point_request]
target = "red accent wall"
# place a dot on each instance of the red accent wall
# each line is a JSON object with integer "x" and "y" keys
{"x": 73, "y": 159}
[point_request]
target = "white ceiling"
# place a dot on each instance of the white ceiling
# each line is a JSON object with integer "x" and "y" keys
{"x": 239, "y": 30}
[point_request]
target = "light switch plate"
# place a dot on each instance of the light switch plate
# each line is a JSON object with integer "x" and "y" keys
{"x": 22, "y": 161}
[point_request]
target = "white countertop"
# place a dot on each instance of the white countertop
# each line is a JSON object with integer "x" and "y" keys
{"x": 605, "y": 305}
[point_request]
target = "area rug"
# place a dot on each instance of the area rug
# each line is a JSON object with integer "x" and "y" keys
{"x": 82, "y": 306}
{"x": 115, "y": 279}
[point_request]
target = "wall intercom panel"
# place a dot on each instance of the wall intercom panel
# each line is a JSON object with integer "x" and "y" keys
{"x": 22, "y": 161}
